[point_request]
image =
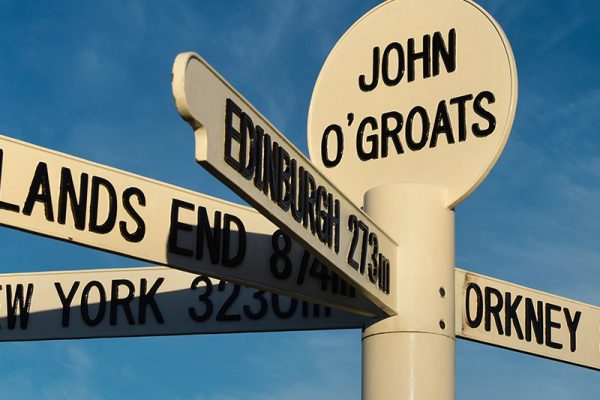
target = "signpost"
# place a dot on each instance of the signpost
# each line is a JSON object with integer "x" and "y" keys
{"x": 148, "y": 301}
{"x": 238, "y": 145}
{"x": 503, "y": 314}
{"x": 67, "y": 198}
{"x": 410, "y": 111}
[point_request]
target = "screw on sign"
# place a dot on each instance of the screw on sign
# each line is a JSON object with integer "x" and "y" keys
{"x": 414, "y": 92}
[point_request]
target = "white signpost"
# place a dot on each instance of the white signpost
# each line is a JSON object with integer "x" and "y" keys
{"x": 410, "y": 111}
{"x": 237, "y": 144}
{"x": 409, "y": 114}
{"x": 71, "y": 199}
{"x": 503, "y": 314}
{"x": 148, "y": 301}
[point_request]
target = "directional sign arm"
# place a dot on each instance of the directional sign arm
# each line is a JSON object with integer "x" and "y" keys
{"x": 243, "y": 149}
{"x": 506, "y": 315}
{"x": 149, "y": 301}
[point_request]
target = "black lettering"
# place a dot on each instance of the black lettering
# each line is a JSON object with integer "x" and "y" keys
{"x": 363, "y": 251}
{"x": 383, "y": 274}
{"x": 424, "y": 55}
{"x": 277, "y": 308}
{"x": 572, "y": 323}
{"x": 262, "y": 311}
{"x": 271, "y": 168}
{"x": 511, "y": 317}
{"x": 284, "y": 173}
{"x": 462, "y": 115}
{"x": 298, "y": 206}
{"x": 485, "y": 114}
{"x": 362, "y": 80}
{"x": 232, "y": 134}
{"x": 353, "y": 227}
{"x": 387, "y": 133}
{"x": 442, "y": 125}
{"x": 78, "y": 203}
{"x": 322, "y": 227}
{"x": 280, "y": 252}
{"x": 385, "y": 67}
{"x": 372, "y": 266}
{"x": 213, "y": 236}
{"x": 474, "y": 288}
{"x": 147, "y": 298}
{"x": 203, "y": 298}
{"x": 111, "y": 218}
{"x": 85, "y": 312}
{"x": 310, "y": 200}
{"x": 39, "y": 191}
{"x": 372, "y": 138}
{"x": 258, "y": 158}
{"x": 3, "y": 204}
{"x": 320, "y": 272}
{"x": 124, "y": 302}
{"x": 222, "y": 315}
{"x": 534, "y": 320}
{"x": 227, "y": 259}
{"x": 410, "y": 141}
{"x": 446, "y": 53}
{"x": 66, "y": 300}
{"x": 140, "y": 231}
{"x": 304, "y": 267}
{"x": 247, "y": 147}
{"x": 550, "y": 325}
{"x": 339, "y": 139}
{"x": 24, "y": 305}
{"x": 334, "y": 222}
{"x": 177, "y": 226}
{"x": 493, "y": 310}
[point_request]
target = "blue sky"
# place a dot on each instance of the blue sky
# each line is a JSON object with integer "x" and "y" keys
{"x": 92, "y": 79}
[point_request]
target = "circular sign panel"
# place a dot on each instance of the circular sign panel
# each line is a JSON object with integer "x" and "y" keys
{"x": 416, "y": 91}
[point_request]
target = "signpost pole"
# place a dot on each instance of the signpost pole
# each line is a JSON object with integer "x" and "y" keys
{"x": 412, "y": 355}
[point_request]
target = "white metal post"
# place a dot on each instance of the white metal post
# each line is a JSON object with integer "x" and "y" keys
{"x": 412, "y": 355}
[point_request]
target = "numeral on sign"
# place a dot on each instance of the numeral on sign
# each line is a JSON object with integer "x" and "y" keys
{"x": 378, "y": 268}
{"x": 253, "y": 312}
{"x": 222, "y": 314}
{"x": 203, "y": 298}
{"x": 264, "y": 306}
{"x": 281, "y": 267}
{"x": 281, "y": 253}
{"x": 356, "y": 227}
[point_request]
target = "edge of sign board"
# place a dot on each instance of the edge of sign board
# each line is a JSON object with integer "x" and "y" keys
{"x": 460, "y": 271}
{"x": 514, "y": 90}
{"x": 184, "y": 106}
{"x": 529, "y": 353}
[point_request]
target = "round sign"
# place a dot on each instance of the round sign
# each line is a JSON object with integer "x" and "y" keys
{"x": 416, "y": 91}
